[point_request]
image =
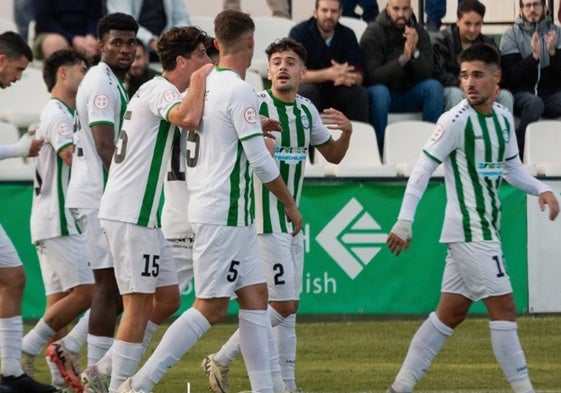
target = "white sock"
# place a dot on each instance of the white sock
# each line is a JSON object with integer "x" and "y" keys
{"x": 278, "y": 382}
{"x": 229, "y": 351}
{"x": 509, "y": 354}
{"x": 105, "y": 364}
{"x": 151, "y": 328}
{"x": 76, "y": 338}
{"x": 285, "y": 338}
{"x": 255, "y": 348}
{"x": 180, "y": 336}
{"x": 126, "y": 357}
{"x": 97, "y": 346}
{"x": 426, "y": 343}
{"x": 10, "y": 346}
{"x": 34, "y": 341}
{"x": 56, "y": 378}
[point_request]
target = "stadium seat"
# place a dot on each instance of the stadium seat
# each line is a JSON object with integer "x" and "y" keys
{"x": 205, "y": 23}
{"x": 255, "y": 80}
{"x": 23, "y": 102}
{"x": 317, "y": 169}
{"x": 541, "y": 148}
{"x": 267, "y": 30}
{"x": 362, "y": 158}
{"x": 355, "y": 24}
{"x": 403, "y": 143}
{"x": 7, "y": 24}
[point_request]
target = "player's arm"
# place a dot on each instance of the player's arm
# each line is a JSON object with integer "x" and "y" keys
{"x": 65, "y": 154}
{"x": 188, "y": 113}
{"x": 516, "y": 175}
{"x": 401, "y": 234}
{"x": 27, "y": 146}
{"x": 334, "y": 150}
{"x": 267, "y": 171}
{"x": 104, "y": 139}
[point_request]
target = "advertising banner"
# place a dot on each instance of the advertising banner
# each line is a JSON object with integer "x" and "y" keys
{"x": 348, "y": 269}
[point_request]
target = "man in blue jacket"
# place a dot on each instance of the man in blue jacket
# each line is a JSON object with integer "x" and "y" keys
{"x": 334, "y": 65}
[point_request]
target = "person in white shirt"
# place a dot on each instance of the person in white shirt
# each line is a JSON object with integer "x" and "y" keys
{"x": 67, "y": 275}
{"x": 476, "y": 142}
{"x": 15, "y": 56}
{"x": 221, "y": 156}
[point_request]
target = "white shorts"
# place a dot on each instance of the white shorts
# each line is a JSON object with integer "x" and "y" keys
{"x": 475, "y": 270}
{"x": 64, "y": 263}
{"x": 8, "y": 254}
{"x": 182, "y": 251}
{"x": 143, "y": 259}
{"x": 225, "y": 259}
{"x": 97, "y": 247}
{"x": 283, "y": 263}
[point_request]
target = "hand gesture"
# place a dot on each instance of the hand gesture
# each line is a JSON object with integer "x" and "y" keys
{"x": 536, "y": 45}
{"x": 411, "y": 39}
{"x": 550, "y": 40}
{"x": 336, "y": 120}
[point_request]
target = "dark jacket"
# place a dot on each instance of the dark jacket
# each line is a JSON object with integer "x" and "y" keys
{"x": 447, "y": 47}
{"x": 343, "y": 48}
{"x": 523, "y": 73}
{"x": 382, "y": 44}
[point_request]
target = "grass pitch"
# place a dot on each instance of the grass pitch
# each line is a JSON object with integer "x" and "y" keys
{"x": 341, "y": 355}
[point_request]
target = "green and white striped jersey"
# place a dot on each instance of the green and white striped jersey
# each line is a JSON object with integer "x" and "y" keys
{"x": 301, "y": 127}
{"x": 136, "y": 176}
{"x": 49, "y": 217}
{"x": 473, "y": 148}
{"x": 219, "y": 175}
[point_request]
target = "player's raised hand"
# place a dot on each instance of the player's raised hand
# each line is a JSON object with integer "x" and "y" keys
{"x": 400, "y": 237}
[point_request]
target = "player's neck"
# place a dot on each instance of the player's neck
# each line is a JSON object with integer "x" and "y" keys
{"x": 485, "y": 108}
{"x": 287, "y": 96}
{"x": 176, "y": 79}
{"x": 65, "y": 96}
{"x": 234, "y": 63}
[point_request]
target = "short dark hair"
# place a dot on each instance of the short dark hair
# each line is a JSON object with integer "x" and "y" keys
{"x": 317, "y": 3}
{"x": 286, "y": 44}
{"x": 229, "y": 25}
{"x": 58, "y": 59}
{"x": 14, "y": 46}
{"x": 179, "y": 41}
{"x": 116, "y": 21}
{"x": 480, "y": 52}
{"x": 466, "y": 6}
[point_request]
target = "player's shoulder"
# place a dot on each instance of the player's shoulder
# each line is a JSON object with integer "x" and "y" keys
{"x": 456, "y": 116}
{"x": 502, "y": 110}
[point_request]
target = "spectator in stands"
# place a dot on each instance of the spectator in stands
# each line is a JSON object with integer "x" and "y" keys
{"x": 154, "y": 18}
{"x": 435, "y": 10}
{"x": 280, "y": 8}
{"x": 140, "y": 71}
{"x": 398, "y": 67}
{"x": 61, "y": 24}
{"x": 334, "y": 65}
{"x": 448, "y": 45}
{"x": 369, "y": 9}
{"x": 23, "y": 15}
{"x": 531, "y": 62}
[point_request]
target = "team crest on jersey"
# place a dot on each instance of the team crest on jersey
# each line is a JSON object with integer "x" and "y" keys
{"x": 171, "y": 95}
{"x": 437, "y": 133}
{"x": 250, "y": 115}
{"x": 305, "y": 121}
{"x": 101, "y": 102}
{"x": 64, "y": 129}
